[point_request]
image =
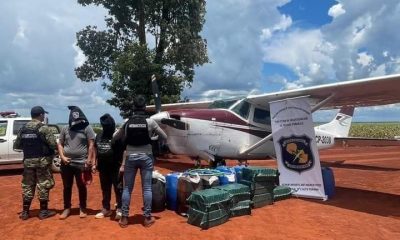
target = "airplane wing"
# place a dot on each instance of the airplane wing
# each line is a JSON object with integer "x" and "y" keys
{"x": 357, "y": 93}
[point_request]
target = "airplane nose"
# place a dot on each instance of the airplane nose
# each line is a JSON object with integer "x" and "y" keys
{"x": 158, "y": 116}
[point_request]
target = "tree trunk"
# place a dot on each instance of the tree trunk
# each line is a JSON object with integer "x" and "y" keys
{"x": 142, "y": 24}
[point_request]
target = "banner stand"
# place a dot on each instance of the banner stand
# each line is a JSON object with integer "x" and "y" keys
{"x": 296, "y": 150}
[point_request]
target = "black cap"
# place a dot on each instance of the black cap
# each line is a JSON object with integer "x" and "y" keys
{"x": 37, "y": 110}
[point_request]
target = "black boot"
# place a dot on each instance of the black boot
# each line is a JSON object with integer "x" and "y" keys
{"x": 44, "y": 211}
{"x": 26, "y": 204}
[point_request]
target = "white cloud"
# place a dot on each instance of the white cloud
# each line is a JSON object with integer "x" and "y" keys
{"x": 20, "y": 35}
{"x": 234, "y": 30}
{"x": 80, "y": 57}
{"x": 379, "y": 71}
{"x": 96, "y": 99}
{"x": 360, "y": 28}
{"x": 305, "y": 52}
{"x": 385, "y": 53}
{"x": 283, "y": 25}
{"x": 221, "y": 94}
{"x": 364, "y": 59}
{"x": 336, "y": 10}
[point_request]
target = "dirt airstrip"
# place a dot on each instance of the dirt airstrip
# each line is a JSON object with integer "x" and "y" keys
{"x": 366, "y": 206}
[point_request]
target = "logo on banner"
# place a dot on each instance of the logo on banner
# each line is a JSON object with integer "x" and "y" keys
{"x": 296, "y": 153}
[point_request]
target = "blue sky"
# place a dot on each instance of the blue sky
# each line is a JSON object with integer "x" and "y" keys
{"x": 254, "y": 46}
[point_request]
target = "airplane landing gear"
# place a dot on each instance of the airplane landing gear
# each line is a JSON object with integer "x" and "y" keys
{"x": 218, "y": 161}
{"x": 243, "y": 162}
{"x": 197, "y": 163}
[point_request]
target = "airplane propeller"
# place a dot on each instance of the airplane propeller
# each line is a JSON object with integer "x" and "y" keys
{"x": 156, "y": 93}
{"x": 175, "y": 123}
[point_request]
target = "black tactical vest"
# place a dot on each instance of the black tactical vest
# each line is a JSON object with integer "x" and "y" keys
{"x": 32, "y": 143}
{"x": 136, "y": 131}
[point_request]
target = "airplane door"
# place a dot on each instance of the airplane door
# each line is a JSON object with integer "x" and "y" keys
{"x": 3, "y": 141}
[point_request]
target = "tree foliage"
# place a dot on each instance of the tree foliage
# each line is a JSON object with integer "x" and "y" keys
{"x": 142, "y": 38}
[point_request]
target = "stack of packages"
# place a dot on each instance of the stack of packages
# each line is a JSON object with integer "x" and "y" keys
{"x": 282, "y": 192}
{"x": 194, "y": 180}
{"x": 208, "y": 208}
{"x": 240, "y": 198}
{"x": 261, "y": 182}
{"x": 186, "y": 185}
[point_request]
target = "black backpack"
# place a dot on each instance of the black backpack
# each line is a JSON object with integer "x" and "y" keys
{"x": 136, "y": 131}
{"x": 158, "y": 195}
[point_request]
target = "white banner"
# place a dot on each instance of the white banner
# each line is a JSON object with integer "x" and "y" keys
{"x": 295, "y": 147}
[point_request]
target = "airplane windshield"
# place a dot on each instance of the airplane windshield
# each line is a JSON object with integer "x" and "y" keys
{"x": 243, "y": 109}
{"x": 225, "y": 104}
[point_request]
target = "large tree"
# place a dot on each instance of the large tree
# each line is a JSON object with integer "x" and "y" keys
{"x": 144, "y": 38}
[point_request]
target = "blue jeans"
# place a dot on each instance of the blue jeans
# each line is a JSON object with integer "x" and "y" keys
{"x": 133, "y": 162}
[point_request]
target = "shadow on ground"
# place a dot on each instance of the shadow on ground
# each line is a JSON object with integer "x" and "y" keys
{"x": 371, "y": 202}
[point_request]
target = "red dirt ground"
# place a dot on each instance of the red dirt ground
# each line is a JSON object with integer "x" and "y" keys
{"x": 366, "y": 206}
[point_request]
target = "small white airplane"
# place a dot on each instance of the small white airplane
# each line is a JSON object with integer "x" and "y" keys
{"x": 241, "y": 128}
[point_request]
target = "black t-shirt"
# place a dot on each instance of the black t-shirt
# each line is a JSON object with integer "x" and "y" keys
{"x": 109, "y": 151}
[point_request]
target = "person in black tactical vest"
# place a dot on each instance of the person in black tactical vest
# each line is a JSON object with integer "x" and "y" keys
{"x": 108, "y": 163}
{"x": 137, "y": 132}
{"x": 38, "y": 144}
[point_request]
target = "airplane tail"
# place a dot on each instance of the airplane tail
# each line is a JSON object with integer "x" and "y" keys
{"x": 340, "y": 125}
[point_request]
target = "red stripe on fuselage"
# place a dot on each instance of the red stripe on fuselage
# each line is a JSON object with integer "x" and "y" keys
{"x": 218, "y": 115}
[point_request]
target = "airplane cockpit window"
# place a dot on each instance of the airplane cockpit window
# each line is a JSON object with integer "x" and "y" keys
{"x": 242, "y": 109}
{"x": 261, "y": 116}
{"x": 225, "y": 104}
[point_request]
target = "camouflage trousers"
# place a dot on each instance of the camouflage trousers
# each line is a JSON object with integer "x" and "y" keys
{"x": 40, "y": 177}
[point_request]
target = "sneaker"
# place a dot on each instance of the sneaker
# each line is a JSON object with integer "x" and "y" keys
{"x": 148, "y": 221}
{"x": 65, "y": 214}
{"x": 82, "y": 213}
{"x": 43, "y": 214}
{"x": 118, "y": 214}
{"x": 104, "y": 213}
{"x": 24, "y": 215}
{"x": 123, "y": 222}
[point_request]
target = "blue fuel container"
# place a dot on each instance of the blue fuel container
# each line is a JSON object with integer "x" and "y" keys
{"x": 329, "y": 181}
{"x": 171, "y": 188}
{"x": 228, "y": 177}
{"x": 238, "y": 171}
